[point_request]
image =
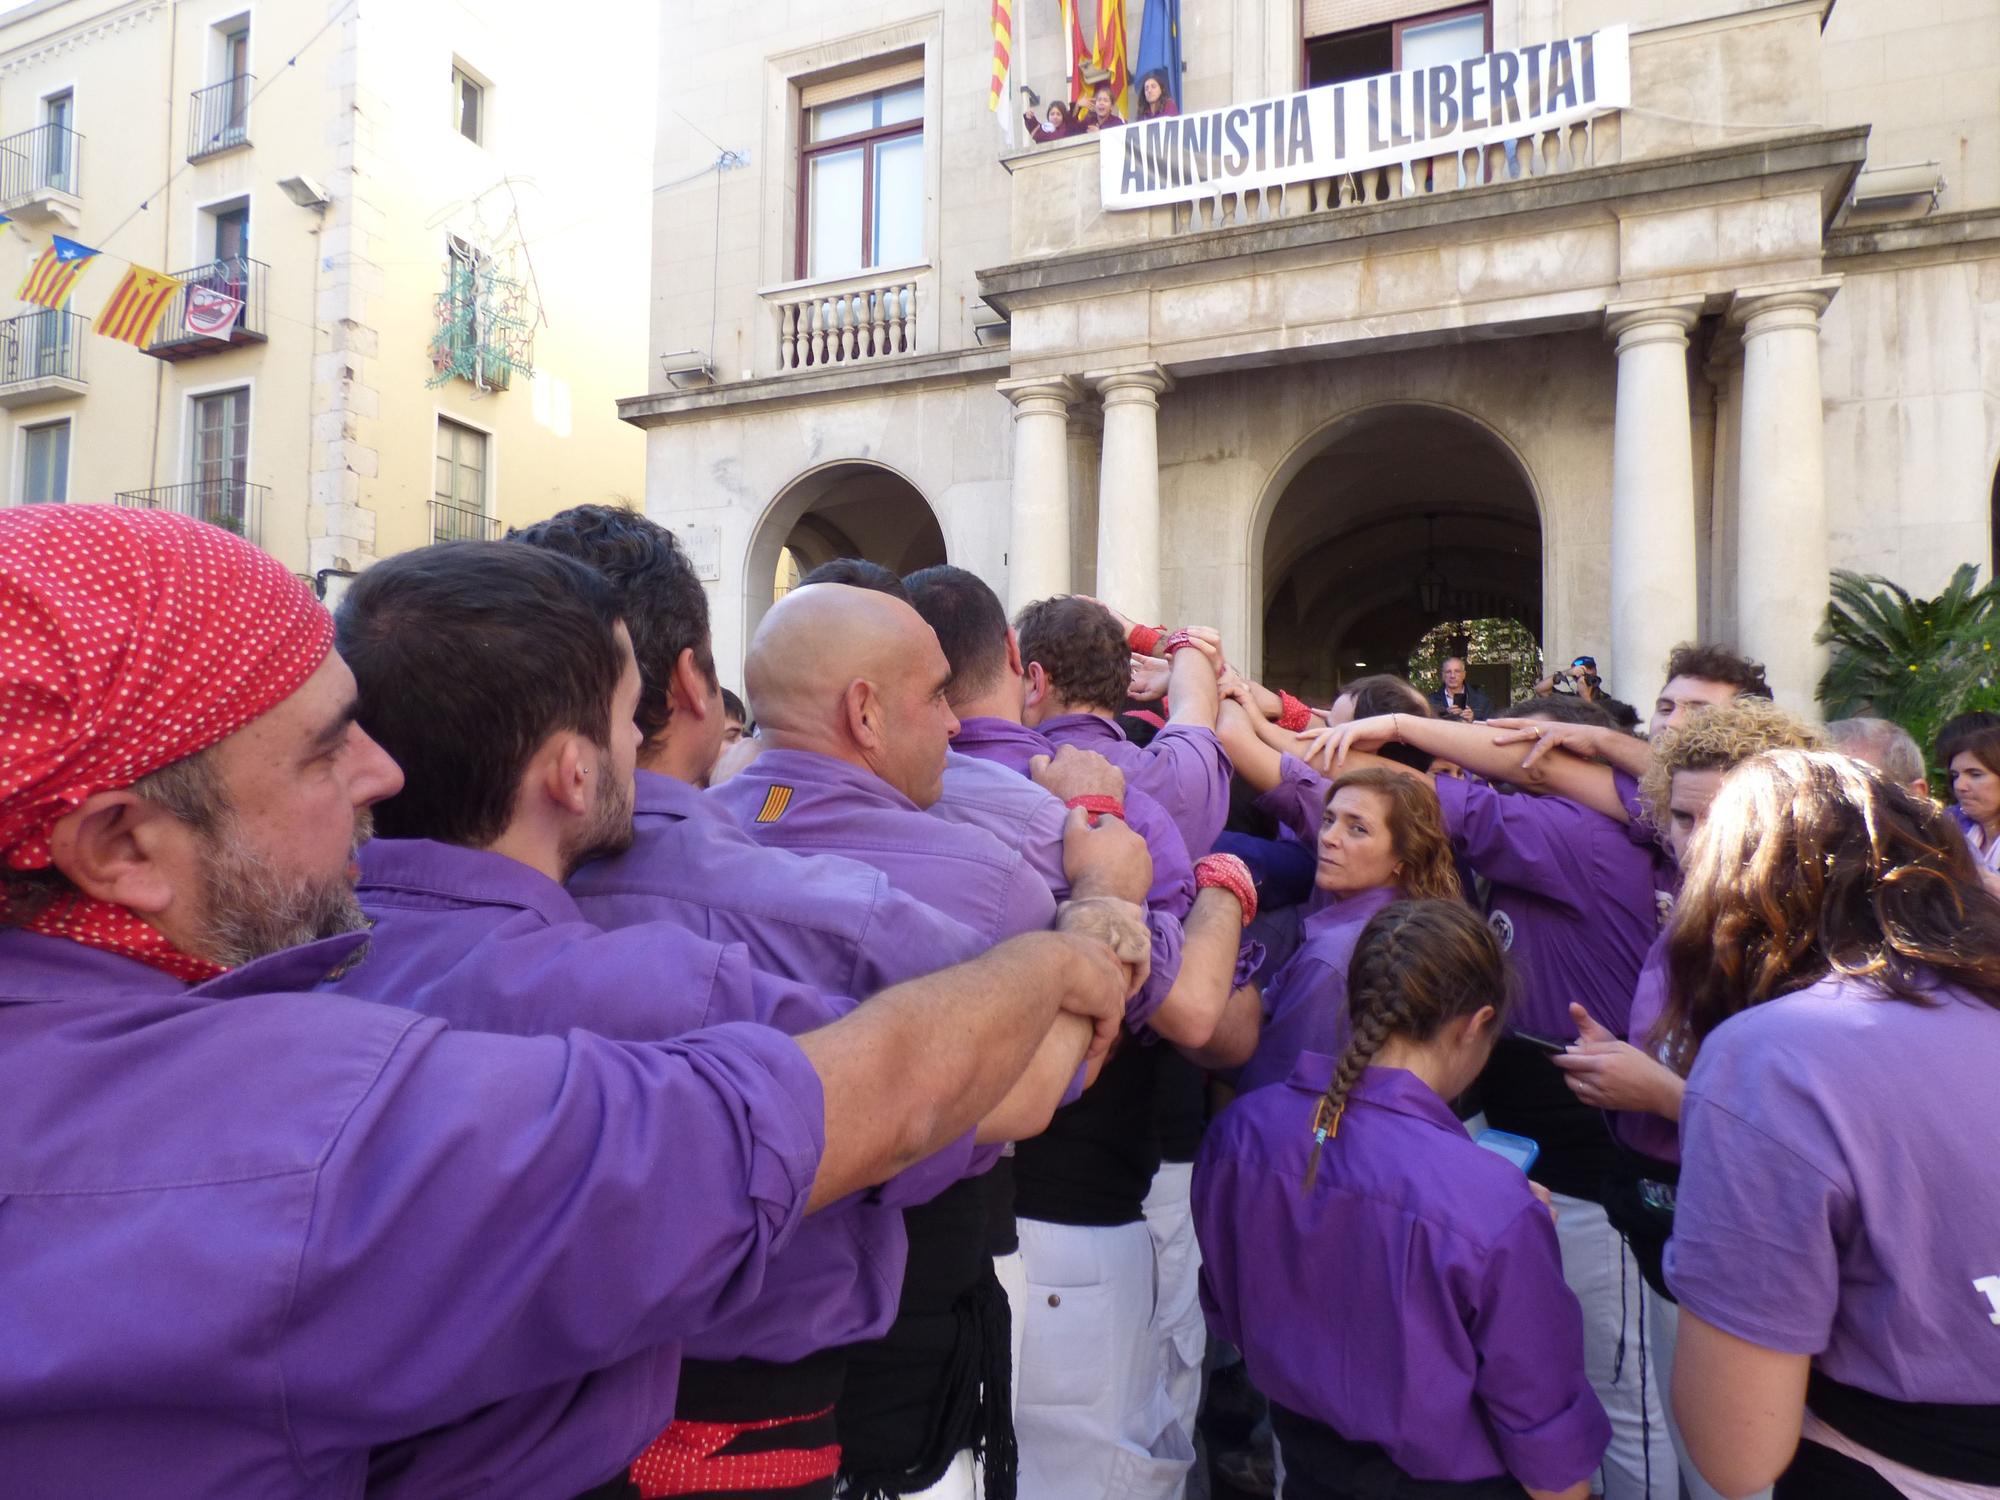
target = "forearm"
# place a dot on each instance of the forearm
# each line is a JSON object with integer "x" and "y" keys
{"x": 953, "y": 1043}
{"x": 1243, "y": 742}
{"x": 1035, "y": 1098}
{"x": 1472, "y": 746}
{"x": 1234, "y": 1039}
{"x": 1213, "y": 933}
{"x": 1264, "y": 699}
{"x": 1192, "y": 692}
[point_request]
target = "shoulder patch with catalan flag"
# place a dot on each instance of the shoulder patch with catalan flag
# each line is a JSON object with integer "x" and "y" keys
{"x": 776, "y": 800}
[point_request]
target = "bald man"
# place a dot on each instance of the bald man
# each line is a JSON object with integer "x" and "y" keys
{"x": 848, "y": 687}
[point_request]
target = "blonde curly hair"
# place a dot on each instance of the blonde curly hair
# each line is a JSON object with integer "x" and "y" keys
{"x": 1717, "y": 739}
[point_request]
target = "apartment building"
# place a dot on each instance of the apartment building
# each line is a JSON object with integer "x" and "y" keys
{"x": 1640, "y": 369}
{"x": 433, "y": 216}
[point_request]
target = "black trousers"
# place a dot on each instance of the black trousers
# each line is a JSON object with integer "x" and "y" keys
{"x": 1320, "y": 1464}
{"x": 1821, "y": 1474}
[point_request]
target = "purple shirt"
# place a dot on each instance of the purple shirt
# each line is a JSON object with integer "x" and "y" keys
{"x": 251, "y": 1232}
{"x": 1012, "y": 745}
{"x": 1183, "y": 768}
{"x": 814, "y": 804}
{"x": 1647, "y": 1133}
{"x": 1414, "y": 1298}
{"x": 1305, "y": 1004}
{"x": 1298, "y": 801}
{"x": 832, "y": 923}
{"x": 1021, "y": 815}
{"x": 1838, "y": 1193}
{"x": 1575, "y": 898}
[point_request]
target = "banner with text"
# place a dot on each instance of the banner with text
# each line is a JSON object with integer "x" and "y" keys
{"x": 1367, "y": 122}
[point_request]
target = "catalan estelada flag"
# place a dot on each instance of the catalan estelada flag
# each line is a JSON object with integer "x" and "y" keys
{"x": 1003, "y": 49}
{"x": 135, "y": 307}
{"x": 1108, "y": 53}
{"x": 54, "y": 273}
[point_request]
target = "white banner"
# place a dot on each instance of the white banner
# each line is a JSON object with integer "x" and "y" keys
{"x": 1367, "y": 122}
{"x": 211, "y": 313}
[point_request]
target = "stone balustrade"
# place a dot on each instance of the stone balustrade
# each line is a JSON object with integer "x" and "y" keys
{"x": 860, "y": 319}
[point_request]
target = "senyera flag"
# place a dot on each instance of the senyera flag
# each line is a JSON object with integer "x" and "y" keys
{"x": 135, "y": 307}
{"x": 211, "y": 313}
{"x": 54, "y": 273}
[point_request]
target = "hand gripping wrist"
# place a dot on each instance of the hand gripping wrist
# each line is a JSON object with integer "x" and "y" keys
{"x": 1098, "y": 807}
{"x": 1227, "y": 872}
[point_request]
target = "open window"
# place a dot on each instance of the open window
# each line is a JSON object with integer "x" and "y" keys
{"x": 1347, "y": 39}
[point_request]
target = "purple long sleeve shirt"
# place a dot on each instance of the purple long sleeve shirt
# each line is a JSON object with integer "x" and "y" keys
{"x": 251, "y": 1232}
{"x": 814, "y": 804}
{"x": 1413, "y": 1298}
{"x": 1183, "y": 768}
{"x": 833, "y": 923}
{"x": 1021, "y": 815}
{"x": 482, "y": 940}
{"x": 1650, "y": 1134}
{"x": 1305, "y": 1003}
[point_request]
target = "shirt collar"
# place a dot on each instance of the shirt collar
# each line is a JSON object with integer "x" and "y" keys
{"x": 665, "y": 796}
{"x": 810, "y": 768}
{"x": 1350, "y": 911}
{"x": 979, "y": 737}
{"x": 1081, "y": 726}
{"x": 1397, "y": 1090}
{"x": 469, "y": 877}
{"x": 40, "y": 968}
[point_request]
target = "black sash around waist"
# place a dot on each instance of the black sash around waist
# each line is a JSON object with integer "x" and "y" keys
{"x": 1933, "y": 1437}
{"x": 753, "y": 1390}
{"x": 1320, "y": 1464}
{"x": 1525, "y": 1093}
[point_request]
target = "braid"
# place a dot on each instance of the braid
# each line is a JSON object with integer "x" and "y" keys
{"x": 1378, "y": 1007}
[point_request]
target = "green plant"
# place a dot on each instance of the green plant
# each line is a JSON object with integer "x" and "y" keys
{"x": 1486, "y": 640}
{"x": 1916, "y": 661}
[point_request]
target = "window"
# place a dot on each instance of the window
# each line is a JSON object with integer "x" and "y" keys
{"x": 59, "y": 141}
{"x": 220, "y": 467}
{"x": 232, "y": 231}
{"x": 861, "y": 171}
{"x": 1392, "y": 44}
{"x": 458, "y": 496}
{"x": 45, "y": 464}
{"x": 236, "y": 74}
{"x": 468, "y": 105}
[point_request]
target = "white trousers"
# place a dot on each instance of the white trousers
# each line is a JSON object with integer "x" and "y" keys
{"x": 1013, "y": 1277}
{"x": 1663, "y": 1322}
{"x": 1606, "y": 1280}
{"x": 960, "y": 1482}
{"x": 1180, "y": 1332}
{"x": 1093, "y": 1419}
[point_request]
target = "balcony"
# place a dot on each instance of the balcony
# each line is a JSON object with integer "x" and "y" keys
{"x": 203, "y": 288}
{"x": 41, "y": 357}
{"x": 864, "y": 319}
{"x": 460, "y": 523}
{"x": 219, "y": 117}
{"x": 41, "y": 176}
{"x": 228, "y": 503}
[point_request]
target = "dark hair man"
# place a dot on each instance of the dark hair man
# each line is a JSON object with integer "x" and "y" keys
{"x": 735, "y": 718}
{"x": 858, "y": 573}
{"x": 181, "y": 787}
{"x": 1700, "y": 674}
{"x": 1077, "y": 669}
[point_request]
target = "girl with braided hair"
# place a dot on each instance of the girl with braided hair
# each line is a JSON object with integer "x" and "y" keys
{"x": 1397, "y": 1291}
{"x": 1381, "y": 839}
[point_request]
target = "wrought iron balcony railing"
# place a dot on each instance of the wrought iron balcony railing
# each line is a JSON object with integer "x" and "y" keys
{"x": 461, "y": 523}
{"x": 229, "y": 503}
{"x": 41, "y": 356}
{"x": 219, "y": 117}
{"x": 199, "y": 319}
{"x": 35, "y": 163}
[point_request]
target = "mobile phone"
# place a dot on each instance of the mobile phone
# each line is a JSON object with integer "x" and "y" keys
{"x": 1546, "y": 1043}
{"x": 1516, "y": 1148}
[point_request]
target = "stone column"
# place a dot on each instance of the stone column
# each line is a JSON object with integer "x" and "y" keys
{"x": 1086, "y": 436}
{"x": 1781, "y": 543}
{"x": 1725, "y": 374}
{"x": 1038, "y": 545}
{"x": 1654, "y": 564}
{"x": 1128, "y": 491}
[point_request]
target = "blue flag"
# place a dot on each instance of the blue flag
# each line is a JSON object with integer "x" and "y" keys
{"x": 1160, "y": 49}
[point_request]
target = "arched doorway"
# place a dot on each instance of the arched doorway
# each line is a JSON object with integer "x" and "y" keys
{"x": 849, "y": 509}
{"x": 1393, "y": 520}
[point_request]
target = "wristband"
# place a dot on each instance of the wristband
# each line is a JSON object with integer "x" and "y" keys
{"x": 1227, "y": 872}
{"x": 1145, "y": 639}
{"x": 1175, "y": 642}
{"x": 1292, "y": 714}
{"x": 1098, "y": 807}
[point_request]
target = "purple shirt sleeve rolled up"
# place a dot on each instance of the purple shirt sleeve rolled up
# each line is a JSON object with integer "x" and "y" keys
{"x": 1298, "y": 801}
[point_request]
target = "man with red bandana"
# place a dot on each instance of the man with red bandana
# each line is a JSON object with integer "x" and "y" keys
{"x": 228, "y": 1263}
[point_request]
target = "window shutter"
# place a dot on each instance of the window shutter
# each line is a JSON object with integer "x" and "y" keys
{"x": 1326, "y": 17}
{"x": 883, "y": 75}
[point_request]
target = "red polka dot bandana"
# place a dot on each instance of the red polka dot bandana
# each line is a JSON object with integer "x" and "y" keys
{"x": 130, "y": 639}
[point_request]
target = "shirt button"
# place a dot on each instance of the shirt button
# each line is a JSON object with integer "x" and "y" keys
{"x": 1054, "y": 1300}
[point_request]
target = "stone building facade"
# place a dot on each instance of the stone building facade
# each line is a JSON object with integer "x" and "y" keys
{"x": 1631, "y": 381}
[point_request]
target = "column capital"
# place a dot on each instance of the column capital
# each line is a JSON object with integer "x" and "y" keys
{"x": 1660, "y": 320}
{"x": 1783, "y": 304}
{"x": 1062, "y": 389}
{"x": 1131, "y": 383}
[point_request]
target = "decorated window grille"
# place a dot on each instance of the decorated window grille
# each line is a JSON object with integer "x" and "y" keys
{"x": 485, "y": 322}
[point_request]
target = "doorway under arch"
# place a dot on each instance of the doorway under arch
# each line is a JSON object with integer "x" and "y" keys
{"x": 1393, "y": 520}
{"x": 849, "y": 509}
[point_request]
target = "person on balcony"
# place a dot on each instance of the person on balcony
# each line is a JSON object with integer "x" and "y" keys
{"x": 1060, "y": 124}
{"x": 1101, "y": 115}
{"x": 1155, "y": 102}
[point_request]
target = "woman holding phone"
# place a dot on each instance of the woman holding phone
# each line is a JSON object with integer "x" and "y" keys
{"x": 1397, "y": 1291}
{"x": 1836, "y": 962}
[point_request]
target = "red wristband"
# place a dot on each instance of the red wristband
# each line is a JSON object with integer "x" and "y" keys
{"x": 1145, "y": 639}
{"x": 1098, "y": 807}
{"x": 1292, "y": 714}
{"x": 1175, "y": 642}
{"x": 1227, "y": 872}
